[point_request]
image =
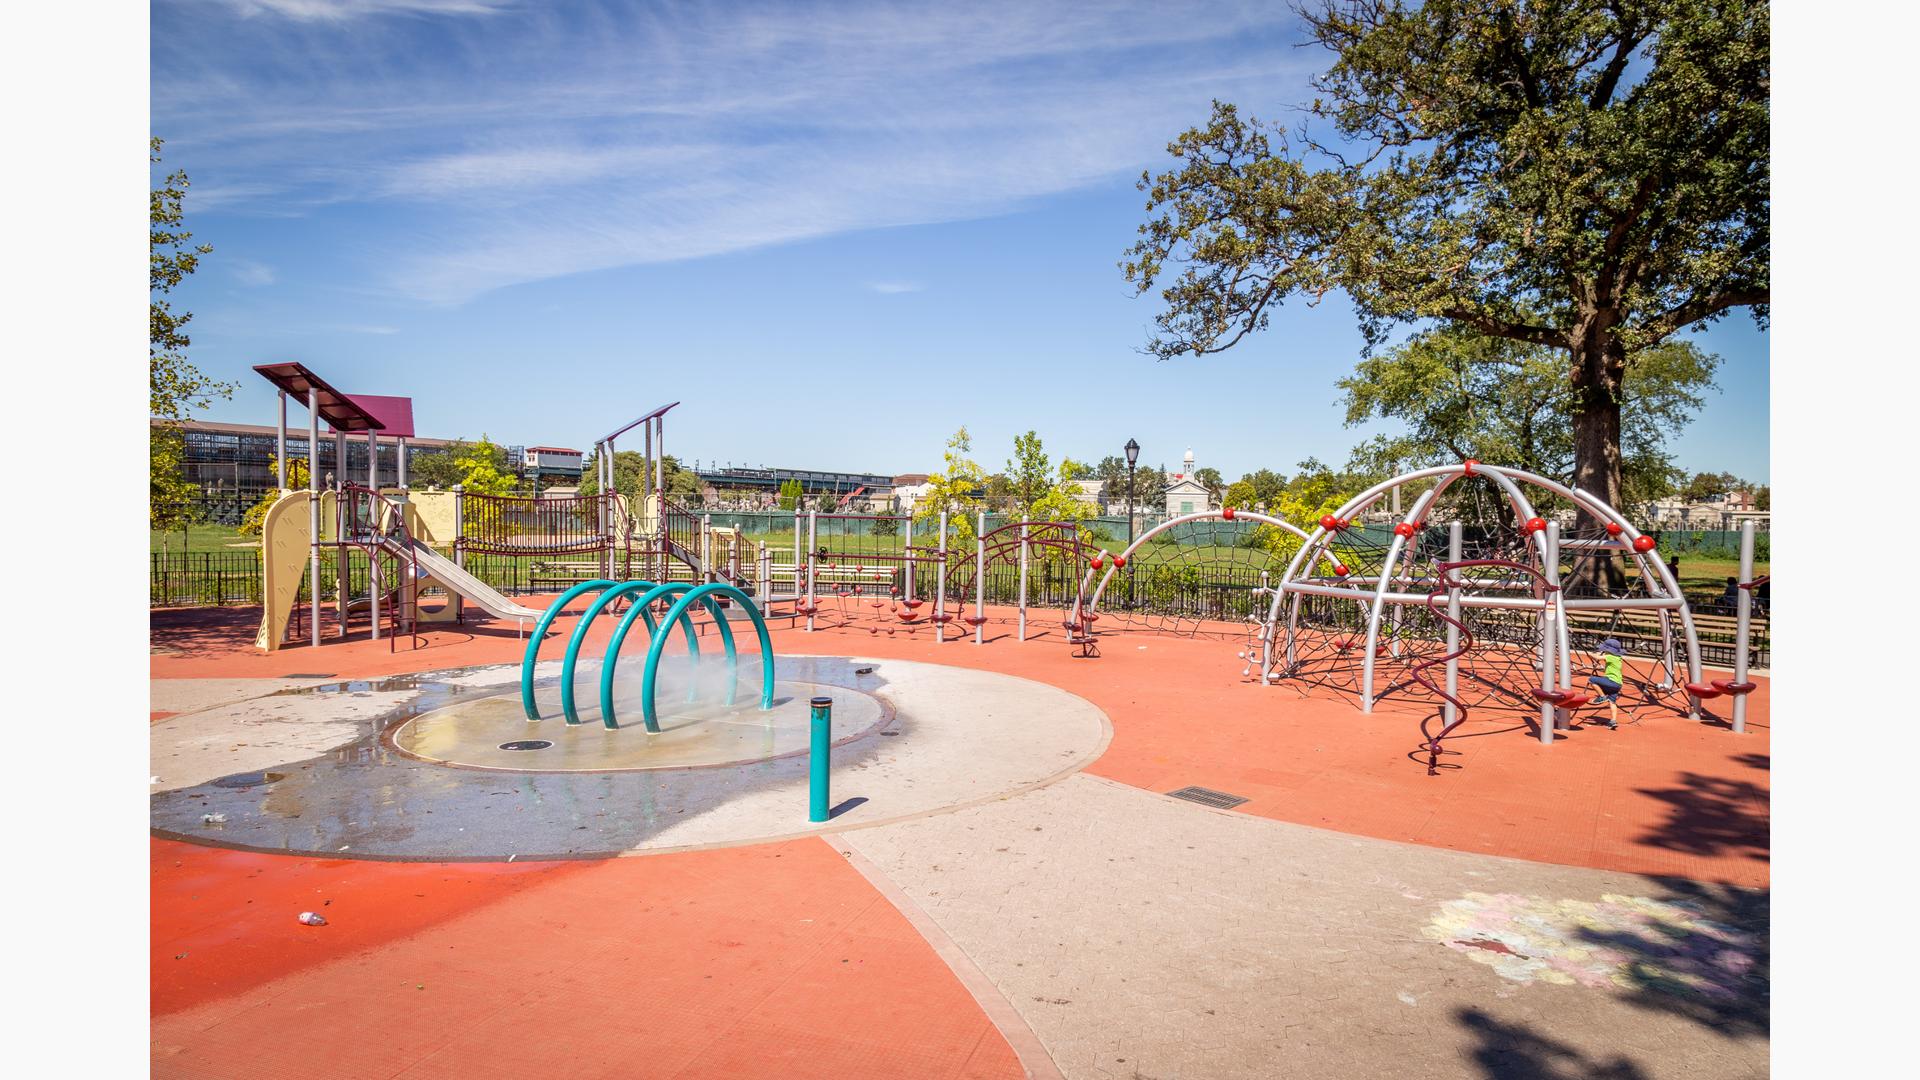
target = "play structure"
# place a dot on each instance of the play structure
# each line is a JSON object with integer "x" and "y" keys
{"x": 641, "y": 598}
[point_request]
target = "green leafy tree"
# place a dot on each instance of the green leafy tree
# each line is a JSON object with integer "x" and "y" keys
{"x": 1589, "y": 176}
{"x": 1240, "y": 495}
{"x": 176, "y": 387}
{"x": 1707, "y": 485}
{"x": 256, "y": 515}
{"x": 1081, "y": 471}
{"x": 1211, "y": 479}
{"x": 629, "y": 467}
{"x": 957, "y": 489}
{"x": 1029, "y": 473}
{"x": 1062, "y": 501}
{"x": 1460, "y": 394}
{"x": 791, "y": 493}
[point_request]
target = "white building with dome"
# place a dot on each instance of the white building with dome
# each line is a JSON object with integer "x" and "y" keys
{"x": 1184, "y": 493}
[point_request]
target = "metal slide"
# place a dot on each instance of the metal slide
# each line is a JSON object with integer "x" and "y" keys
{"x": 453, "y": 577}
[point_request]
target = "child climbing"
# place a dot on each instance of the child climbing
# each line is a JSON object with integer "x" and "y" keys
{"x": 1609, "y": 681}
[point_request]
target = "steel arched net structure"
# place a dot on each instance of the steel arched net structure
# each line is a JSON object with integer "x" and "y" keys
{"x": 1206, "y": 573}
{"x": 1538, "y": 574}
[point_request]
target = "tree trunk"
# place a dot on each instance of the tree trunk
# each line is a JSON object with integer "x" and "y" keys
{"x": 1599, "y": 369}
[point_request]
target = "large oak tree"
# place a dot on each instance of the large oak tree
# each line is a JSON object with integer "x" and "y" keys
{"x": 1585, "y": 175}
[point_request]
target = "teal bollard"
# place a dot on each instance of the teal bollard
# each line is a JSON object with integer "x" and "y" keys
{"x": 817, "y": 759}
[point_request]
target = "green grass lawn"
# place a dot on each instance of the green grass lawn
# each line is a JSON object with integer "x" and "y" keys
{"x": 201, "y": 538}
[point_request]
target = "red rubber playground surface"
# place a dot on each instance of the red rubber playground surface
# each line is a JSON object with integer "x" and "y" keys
{"x": 785, "y": 958}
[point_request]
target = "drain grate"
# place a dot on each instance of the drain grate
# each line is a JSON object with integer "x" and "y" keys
{"x": 526, "y": 744}
{"x": 1209, "y": 797}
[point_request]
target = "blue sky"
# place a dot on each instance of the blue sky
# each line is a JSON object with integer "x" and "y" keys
{"x": 836, "y": 232}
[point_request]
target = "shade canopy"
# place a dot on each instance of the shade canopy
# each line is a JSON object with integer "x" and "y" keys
{"x": 340, "y": 411}
{"x": 395, "y": 414}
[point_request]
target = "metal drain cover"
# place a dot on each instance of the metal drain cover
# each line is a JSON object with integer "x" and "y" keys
{"x": 249, "y": 779}
{"x": 1209, "y": 797}
{"x": 526, "y": 744}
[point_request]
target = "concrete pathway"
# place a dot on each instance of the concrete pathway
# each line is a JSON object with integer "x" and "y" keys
{"x": 1144, "y": 936}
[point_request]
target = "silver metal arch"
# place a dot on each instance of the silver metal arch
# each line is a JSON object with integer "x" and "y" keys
{"x": 1092, "y": 602}
{"x": 1655, "y": 576}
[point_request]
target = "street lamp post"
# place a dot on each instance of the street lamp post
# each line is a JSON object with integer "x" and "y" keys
{"x": 1133, "y": 455}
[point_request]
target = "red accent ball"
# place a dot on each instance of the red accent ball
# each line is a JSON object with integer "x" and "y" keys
{"x": 1613, "y": 528}
{"x": 1536, "y": 524}
{"x": 1470, "y": 463}
{"x": 1119, "y": 561}
{"x": 1097, "y": 564}
{"x": 1404, "y": 528}
{"x": 1341, "y": 523}
{"x": 1643, "y": 543}
{"x": 1227, "y": 513}
{"x": 1329, "y": 522}
{"x": 1340, "y": 570}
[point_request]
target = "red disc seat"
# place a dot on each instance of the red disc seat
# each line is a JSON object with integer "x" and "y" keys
{"x": 1728, "y": 686}
{"x": 1702, "y": 690}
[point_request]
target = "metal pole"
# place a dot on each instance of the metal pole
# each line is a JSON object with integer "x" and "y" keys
{"x": 343, "y": 557}
{"x": 660, "y": 458}
{"x": 1129, "y": 546}
{"x": 1743, "y": 624}
{"x": 646, "y": 468}
{"x": 373, "y": 551}
{"x": 1549, "y": 630}
{"x": 819, "y": 754}
{"x": 813, "y": 534}
{"x": 280, "y": 446}
{"x": 980, "y": 579}
{"x": 1456, "y": 545}
{"x": 706, "y": 549}
{"x": 400, "y": 463}
{"x": 313, "y": 502}
{"x": 1023, "y": 581}
{"x": 908, "y": 552}
{"x": 459, "y": 550}
{"x": 763, "y": 571}
{"x": 940, "y": 586}
{"x": 799, "y": 550}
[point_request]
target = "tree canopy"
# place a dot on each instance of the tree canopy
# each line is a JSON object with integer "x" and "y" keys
{"x": 175, "y": 387}
{"x": 1461, "y": 394}
{"x": 1588, "y": 176}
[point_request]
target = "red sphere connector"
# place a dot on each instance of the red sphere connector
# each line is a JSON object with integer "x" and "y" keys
{"x": 1405, "y": 528}
{"x": 1536, "y": 524}
{"x": 1227, "y": 513}
{"x": 1340, "y": 570}
{"x": 1329, "y": 522}
{"x": 1643, "y": 543}
{"x": 1119, "y": 561}
{"x": 1469, "y": 464}
{"x": 1613, "y": 528}
{"x": 1097, "y": 564}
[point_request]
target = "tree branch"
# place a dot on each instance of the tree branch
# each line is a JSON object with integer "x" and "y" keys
{"x": 1487, "y": 324}
{"x": 1700, "y": 307}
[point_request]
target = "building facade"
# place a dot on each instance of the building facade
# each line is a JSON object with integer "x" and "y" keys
{"x": 1184, "y": 493}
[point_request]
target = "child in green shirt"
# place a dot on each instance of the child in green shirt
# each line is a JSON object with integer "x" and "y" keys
{"x": 1610, "y": 680}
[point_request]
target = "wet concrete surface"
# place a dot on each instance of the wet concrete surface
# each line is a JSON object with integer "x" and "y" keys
{"x": 955, "y": 736}
{"x": 367, "y": 799}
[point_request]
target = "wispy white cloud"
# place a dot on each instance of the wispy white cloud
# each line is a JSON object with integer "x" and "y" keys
{"x": 248, "y": 272}
{"x": 370, "y": 329}
{"x": 891, "y": 288}
{"x": 552, "y": 140}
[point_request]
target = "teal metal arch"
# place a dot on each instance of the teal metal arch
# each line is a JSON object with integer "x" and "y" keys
{"x": 686, "y": 622}
{"x": 540, "y": 632}
{"x": 654, "y": 592}
{"x": 679, "y": 609}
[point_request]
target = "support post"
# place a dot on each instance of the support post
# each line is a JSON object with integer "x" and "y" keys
{"x": 280, "y": 444}
{"x": 910, "y": 565}
{"x": 343, "y": 558}
{"x": 660, "y": 456}
{"x": 459, "y": 549}
{"x": 813, "y": 534}
{"x": 819, "y": 755}
{"x": 1456, "y": 544}
{"x": 313, "y": 504}
{"x": 1743, "y": 624}
{"x": 373, "y": 519}
{"x": 400, "y": 463}
{"x": 940, "y": 586}
{"x": 1023, "y": 581}
{"x": 763, "y": 574}
{"x": 980, "y": 579}
{"x": 706, "y": 549}
{"x": 1549, "y": 628}
{"x": 799, "y": 551}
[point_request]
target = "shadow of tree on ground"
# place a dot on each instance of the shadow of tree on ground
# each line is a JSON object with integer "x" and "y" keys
{"x": 1509, "y": 1051}
{"x": 1715, "y": 972}
{"x": 1712, "y": 815}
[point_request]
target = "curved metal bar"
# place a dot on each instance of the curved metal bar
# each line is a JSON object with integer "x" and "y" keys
{"x": 1093, "y": 602}
{"x": 540, "y": 631}
{"x": 686, "y": 625}
{"x": 572, "y": 659}
{"x": 649, "y": 676}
